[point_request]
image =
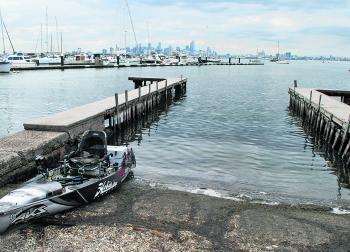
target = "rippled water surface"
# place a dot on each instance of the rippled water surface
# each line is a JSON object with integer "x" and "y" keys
{"x": 232, "y": 132}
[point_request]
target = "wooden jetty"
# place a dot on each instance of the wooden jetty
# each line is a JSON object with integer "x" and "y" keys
{"x": 117, "y": 109}
{"x": 327, "y": 113}
{"x": 52, "y": 136}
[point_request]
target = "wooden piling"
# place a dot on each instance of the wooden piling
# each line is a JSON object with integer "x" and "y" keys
{"x": 117, "y": 111}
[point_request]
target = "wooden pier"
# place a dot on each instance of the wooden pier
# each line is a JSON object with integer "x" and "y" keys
{"x": 117, "y": 109}
{"x": 53, "y": 136}
{"x": 327, "y": 114}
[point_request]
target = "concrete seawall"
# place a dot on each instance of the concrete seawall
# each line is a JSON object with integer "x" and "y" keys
{"x": 18, "y": 151}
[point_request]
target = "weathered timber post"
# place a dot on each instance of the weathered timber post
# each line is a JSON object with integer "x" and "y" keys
{"x": 126, "y": 106}
{"x": 141, "y": 108}
{"x": 117, "y": 111}
{"x": 157, "y": 97}
{"x": 149, "y": 97}
{"x": 310, "y": 97}
{"x": 166, "y": 91}
{"x": 319, "y": 102}
{"x": 345, "y": 135}
{"x": 62, "y": 62}
{"x": 336, "y": 138}
{"x": 345, "y": 152}
{"x": 295, "y": 85}
{"x": 316, "y": 122}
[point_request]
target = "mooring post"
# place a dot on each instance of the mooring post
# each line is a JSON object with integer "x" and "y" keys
{"x": 319, "y": 102}
{"x": 117, "y": 112}
{"x": 140, "y": 105}
{"x": 345, "y": 135}
{"x": 295, "y": 85}
{"x": 166, "y": 90}
{"x": 311, "y": 98}
{"x": 126, "y": 105}
{"x": 149, "y": 96}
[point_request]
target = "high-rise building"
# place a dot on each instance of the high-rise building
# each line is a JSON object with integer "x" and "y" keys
{"x": 192, "y": 47}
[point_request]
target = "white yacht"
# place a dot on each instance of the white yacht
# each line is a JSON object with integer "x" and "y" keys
{"x": 19, "y": 60}
{"x": 282, "y": 61}
{"x": 50, "y": 60}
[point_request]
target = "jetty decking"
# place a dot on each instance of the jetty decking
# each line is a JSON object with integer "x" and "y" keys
{"x": 327, "y": 116}
{"x": 119, "y": 108}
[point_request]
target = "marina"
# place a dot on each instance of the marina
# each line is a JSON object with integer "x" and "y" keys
{"x": 81, "y": 66}
{"x": 275, "y": 148}
{"x": 174, "y": 126}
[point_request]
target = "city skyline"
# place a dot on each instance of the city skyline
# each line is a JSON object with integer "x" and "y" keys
{"x": 234, "y": 27}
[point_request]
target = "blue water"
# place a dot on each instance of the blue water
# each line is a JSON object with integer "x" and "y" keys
{"x": 232, "y": 132}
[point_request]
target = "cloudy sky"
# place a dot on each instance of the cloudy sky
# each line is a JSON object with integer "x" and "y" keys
{"x": 304, "y": 27}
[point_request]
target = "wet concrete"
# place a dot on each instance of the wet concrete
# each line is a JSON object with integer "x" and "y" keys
{"x": 138, "y": 217}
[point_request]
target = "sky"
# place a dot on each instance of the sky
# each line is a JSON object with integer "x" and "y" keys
{"x": 302, "y": 27}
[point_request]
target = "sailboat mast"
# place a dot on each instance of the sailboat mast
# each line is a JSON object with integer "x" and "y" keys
{"x": 61, "y": 44}
{"x": 51, "y": 43}
{"x": 125, "y": 32}
{"x": 58, "y": 43}
{"x": 47, "y": 31}
{"x": 8, "y": 36}
{"x": 41, "y": 38}
{"x": 132, "y": 23}
{"x": 2, "y": 33}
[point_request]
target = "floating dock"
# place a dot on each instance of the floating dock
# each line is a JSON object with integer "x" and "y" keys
{"x": 327, "y": 113}
{"x": 53, "y": 135}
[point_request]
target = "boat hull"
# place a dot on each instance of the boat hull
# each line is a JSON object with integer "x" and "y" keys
{"x": 5, "y": 67}
{"x": 71, "y": 197}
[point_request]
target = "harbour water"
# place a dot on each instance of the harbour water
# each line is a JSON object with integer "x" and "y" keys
{"x": 231, "y": 135}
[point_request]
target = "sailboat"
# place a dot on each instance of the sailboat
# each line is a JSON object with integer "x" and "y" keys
{"x": 5, "y": 66}
{"x": 280, "y": 60}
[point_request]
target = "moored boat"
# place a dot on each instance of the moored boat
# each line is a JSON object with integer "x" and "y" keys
{"x": 85, "y": 175}
{"x": 5, "y": 66}
{"x": 20, "y": 60}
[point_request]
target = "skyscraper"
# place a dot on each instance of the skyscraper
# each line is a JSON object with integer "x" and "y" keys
{"x": 192, "y": 47}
